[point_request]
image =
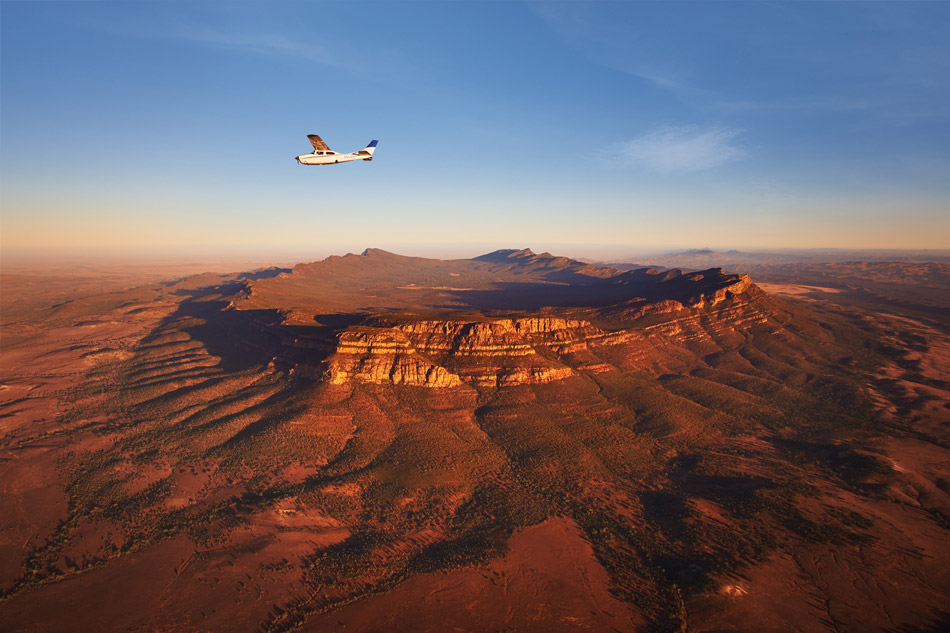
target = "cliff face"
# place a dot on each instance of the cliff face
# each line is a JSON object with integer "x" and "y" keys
{"x": 502, "y": 352}
{"x": 380, "y": 355}
{"x": 446, "y": 354}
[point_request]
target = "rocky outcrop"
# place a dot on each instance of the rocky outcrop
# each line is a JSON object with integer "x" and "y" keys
{"x": 447, "y": 353}
{"x": 380, "y": 356}
{"x": 505, "y": 352}
{"x": 717, "y": 296}
{"x": 499, "y": 337}
{"x": 606, "y": 319}
{"x": 522, "y": 376}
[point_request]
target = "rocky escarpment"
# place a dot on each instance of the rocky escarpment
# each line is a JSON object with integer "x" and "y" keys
{"x": 449, "y": 353}
{"x": 379, "y": 355}
{"x": 507, "y": 351}
{"x": 506, "y": 318}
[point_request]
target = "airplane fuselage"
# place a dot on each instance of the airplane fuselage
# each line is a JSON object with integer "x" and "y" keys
{"x": 330, "y": 158}
{"x": 323, "y": 155}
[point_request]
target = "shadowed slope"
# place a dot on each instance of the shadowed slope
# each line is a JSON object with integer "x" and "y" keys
{"x": 512, "y": 281}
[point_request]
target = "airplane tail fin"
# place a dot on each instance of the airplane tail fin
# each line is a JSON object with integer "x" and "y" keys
{"x": 368, "y": 152}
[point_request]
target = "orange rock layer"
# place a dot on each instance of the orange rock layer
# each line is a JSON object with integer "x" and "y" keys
{"x": 503, "y": 352}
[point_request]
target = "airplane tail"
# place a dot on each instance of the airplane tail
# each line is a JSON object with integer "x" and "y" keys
{"x": 368, "y": 152}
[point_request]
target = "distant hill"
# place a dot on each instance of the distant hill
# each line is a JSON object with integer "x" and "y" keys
{"x": 505, "y": 280}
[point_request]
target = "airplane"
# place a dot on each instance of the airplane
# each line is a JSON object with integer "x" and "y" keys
{"x": 323, "y": 155}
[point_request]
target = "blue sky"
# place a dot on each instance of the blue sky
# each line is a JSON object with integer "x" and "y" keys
{"x": 170, "y": 127}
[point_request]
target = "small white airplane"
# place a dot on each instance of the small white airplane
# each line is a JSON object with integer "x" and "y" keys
{"x": 323, "y": 155}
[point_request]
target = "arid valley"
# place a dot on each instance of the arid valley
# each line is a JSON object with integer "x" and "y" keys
{"x": 514, "y": 442}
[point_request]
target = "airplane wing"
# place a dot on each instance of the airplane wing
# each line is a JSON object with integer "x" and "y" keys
{"x": 318, "y": 144}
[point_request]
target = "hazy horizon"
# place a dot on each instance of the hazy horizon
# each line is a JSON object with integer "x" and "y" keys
{"x": 231, "y": 261}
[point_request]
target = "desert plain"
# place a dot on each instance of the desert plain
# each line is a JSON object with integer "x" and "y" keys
{"x": 512, "y": 442}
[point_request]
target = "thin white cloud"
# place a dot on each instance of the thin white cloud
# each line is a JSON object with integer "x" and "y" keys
{"x": 682, "y": 149}
{"x": 667, "y": 78}
{"x": 267, "y": 44}
{"x": 597, "y": 39}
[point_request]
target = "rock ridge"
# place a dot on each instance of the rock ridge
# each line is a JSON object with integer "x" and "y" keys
{"x": 510, "y": 317}
{"x": 525, "y": 350}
